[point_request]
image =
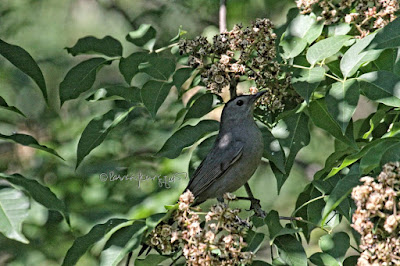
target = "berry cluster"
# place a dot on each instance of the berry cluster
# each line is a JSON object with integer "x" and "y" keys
{"x": 242, "y": 53}
{"x": 218, "y": 241}
{"x": 366, "y": 15}
{"x": 377, "y": 217}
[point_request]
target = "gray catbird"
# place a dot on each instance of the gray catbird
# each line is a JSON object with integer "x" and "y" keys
{"x": 235, "y": 155}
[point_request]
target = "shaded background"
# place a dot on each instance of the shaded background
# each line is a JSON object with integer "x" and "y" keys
{"x": 44, "y": 28}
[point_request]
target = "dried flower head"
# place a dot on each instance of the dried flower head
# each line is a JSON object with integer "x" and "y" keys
{"x": 366, "y": 15}
{"x": 218, "y": 241}
{"x": 248, "y": 53}
{"x": 377, "y": 217}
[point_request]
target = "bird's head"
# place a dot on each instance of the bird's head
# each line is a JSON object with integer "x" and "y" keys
{"x": 240, "y": 108}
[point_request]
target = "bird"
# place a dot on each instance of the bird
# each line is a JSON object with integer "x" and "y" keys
{"x": 235, "y": 155}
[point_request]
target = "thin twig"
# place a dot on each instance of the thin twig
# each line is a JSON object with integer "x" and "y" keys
{"x": 222, "y": 16}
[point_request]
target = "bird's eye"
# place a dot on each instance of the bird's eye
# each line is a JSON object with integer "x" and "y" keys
{"x": 240, "y": 102}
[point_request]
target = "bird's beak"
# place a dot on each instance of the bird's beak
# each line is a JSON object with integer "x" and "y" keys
{"x": 258, "y": 95}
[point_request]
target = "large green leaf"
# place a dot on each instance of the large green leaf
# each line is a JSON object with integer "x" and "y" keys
{"x": 130, "y": 94}
{"x": 291, "y": 251}
{"x": 341, "y": 191}
{"x": 293, "y": 134}
{"x": 185, "y": 137}
{"x": 107, "y": 46}
{"x": 381, "y": 86}
{"x": 24, "y": 61}
{"x": 305, "y": 81}
{"x": 355, "y": 57}
{"x": 388, "y": 37}
{"x": 391, "y": 155}
{"x": 325, "y": 259}
{"x": 335, "y": 245}
{"x": 181, "y": 75}
{"x": 14, "y": 206}
{"x": 83, "y": 243}
{"x": 4, "y": 105}
{"x": 129, "y": 66}
{"x": 29, "y": 141}
{"x": 338, "y": 29}
{"x": 372, "y": 158}
{"x": 144, "y": 37}
{"x": 97, "y": 130}
{"x": 39, "y": 193}
{"x": 153, "y": 95}
{"x": 342, "y": 100}
{"x": 158, "y": 67}
{"x": 301, "y": 30}
{"x": 121, "y": 243}
{"x": 200, "y": 107}
{"x": 273, "y": 150}
{"x": 322, "y": 118}
{"x": 326, "y": 48}
{"x": 80, "y": 78}
{"x": 275, "y": 228}
{"x": 254, "y": 241}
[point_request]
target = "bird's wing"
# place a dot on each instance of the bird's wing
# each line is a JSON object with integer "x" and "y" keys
{"x": 217, "y": 162}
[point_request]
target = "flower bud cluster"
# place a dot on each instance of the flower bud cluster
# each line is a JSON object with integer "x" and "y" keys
{"x": 217, "y": 241}
{"x": 246, "y": 53}
{"x": 366, "y": 15}
{"x": 377, "y": 217}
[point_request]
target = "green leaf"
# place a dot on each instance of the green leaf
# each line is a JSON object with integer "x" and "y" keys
{"x": 153, "y": 220}
{"x": 305, "y": 27}
{"x": 338, "y": 29}
{"x": 153, "y": 95}
{"x": 151, "y": 259}
{"x": 293, "y": 134}
{"x": 185, "y": 137}
{"x": 24, "y": 62}
{"x": 292, "y": 47}
{"x": 122, "y": 242}
{"x": 14, "y": 206}
{"x": 290, "y": 250}
{"x": 29, "y": 141}
{"x": 201, "y": 106}
{"x": 275, "y": 228}
{"x": 351, "y": 261}
{"x": 381, "y": 86}
{"x": 39, "y": 193}
{"x": 144, "y": 37}
{"x": 181, "y": 75}
{"x": 254, "y": 241}
{"x": 4, "y": 105}
{"x": 83, "y": 243}
{"x": 97, "y": 130}
{"x": 129, "y": 66}
{"x": 80, "y": 78}
{"x": 321, "y": 118}
{"x": 354, "y": 58}
{"x": 335, "y": 245}
{"x": 326, "y": 48}
{"x": 130, "y": 94}
{"x": 301, "y": 30}
{"x": 158, "y": 67}
{"x": 323, "y": 259}
{"x": 388, "y": 37}
{"x": 391, "y": 155}
{"x": 273, "y": 150}
{"x": 305, "y": 81}
{"x": 372, "y": 158}
{"x": 341, "y": 101}
{"x": 107, "y": 46}
{"x": 341, "y": 191}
